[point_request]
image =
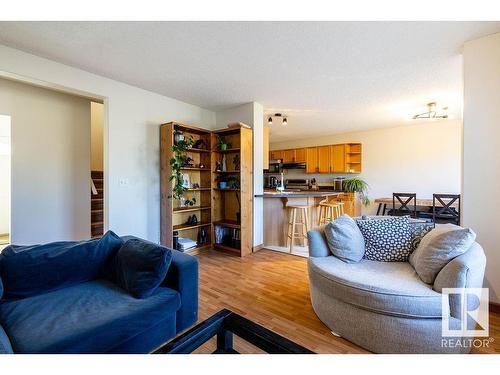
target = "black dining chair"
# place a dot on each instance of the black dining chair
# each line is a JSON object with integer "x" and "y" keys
{"x": 446, "y": 208}
{"x": 407, "y": 204}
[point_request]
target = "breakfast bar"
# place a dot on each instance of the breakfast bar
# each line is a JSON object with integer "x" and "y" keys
{"x": 276, "y": 215}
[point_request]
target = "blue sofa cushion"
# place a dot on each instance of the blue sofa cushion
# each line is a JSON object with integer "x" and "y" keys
{"x": 31, "y": 270}
{"x": 5, "y": 347}
{"x": 140, "y": 267}
{"x": 93, "y": 317}
{"x": 1, "y": 287}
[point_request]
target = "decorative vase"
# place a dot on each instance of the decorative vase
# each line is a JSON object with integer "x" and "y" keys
{"x": 224, "y": 163}
{"x": 223, "y": 147}
{"x": 178, "y": 137}
{"x": 222, "y": 185}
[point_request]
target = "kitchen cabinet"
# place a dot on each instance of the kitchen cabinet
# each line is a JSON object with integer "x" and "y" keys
{"x": 312, "y": 160}
{"x": 288, "y": 156}
{"x": 323, "y": 159}
{"x": 337, "y": 159}
{"x": 300, "y": 155}
{"x": 276, "y": 154}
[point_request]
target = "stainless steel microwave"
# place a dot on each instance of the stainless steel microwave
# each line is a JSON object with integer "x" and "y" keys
{"x": 275, "y": 166}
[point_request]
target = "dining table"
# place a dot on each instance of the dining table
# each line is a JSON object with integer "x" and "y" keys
{"x": 420, "y": 202}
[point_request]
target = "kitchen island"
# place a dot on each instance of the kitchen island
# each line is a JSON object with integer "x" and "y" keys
{"x": 276, "y": 215}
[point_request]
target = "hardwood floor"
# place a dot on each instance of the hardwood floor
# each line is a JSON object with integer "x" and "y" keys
{"x": 272, "y": 289}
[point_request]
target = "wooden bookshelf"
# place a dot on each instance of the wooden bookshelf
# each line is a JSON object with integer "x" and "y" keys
{"x": 174, "y": 217}
{"x": 232, "y": 206}
{"x": 215, "y": 207}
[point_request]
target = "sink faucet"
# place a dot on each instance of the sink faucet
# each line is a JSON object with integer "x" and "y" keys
{"x": 281, "y": 185}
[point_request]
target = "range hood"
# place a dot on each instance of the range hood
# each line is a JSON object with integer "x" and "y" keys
{"x": 294, "y": 166}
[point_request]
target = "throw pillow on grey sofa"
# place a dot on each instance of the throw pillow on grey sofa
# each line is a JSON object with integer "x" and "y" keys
{"x": 387, "y": 239}
{"x": 345, "y": 240}
{"x": 438, "y": 247}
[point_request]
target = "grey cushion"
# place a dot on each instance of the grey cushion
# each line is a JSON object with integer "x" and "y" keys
{"x": 345, "y": 239}
{"x": 391, "y": 288}
{"x": 438, "y": 247}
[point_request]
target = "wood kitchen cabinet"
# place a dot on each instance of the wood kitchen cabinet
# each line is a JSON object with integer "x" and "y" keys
{"x": 312, "y": 160}
{"x": 337, "y": 159}
{"x": 323, "y": 159}
{"x": 276, "y": 154}
{"x": 288, "y": 156}
{"x": 300, "y": 155}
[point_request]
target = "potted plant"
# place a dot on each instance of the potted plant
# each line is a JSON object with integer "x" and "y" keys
{"x": 222, "y": 143}
{"x": 357, "y": 185}
{"x": 177, "y": 162}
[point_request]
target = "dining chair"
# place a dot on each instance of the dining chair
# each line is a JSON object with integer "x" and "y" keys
{"x": 446, "y": 208}
{"x": 407, "y": 204}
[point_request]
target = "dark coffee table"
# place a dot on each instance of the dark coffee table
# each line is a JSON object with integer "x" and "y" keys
{"x": 224, "y": 324}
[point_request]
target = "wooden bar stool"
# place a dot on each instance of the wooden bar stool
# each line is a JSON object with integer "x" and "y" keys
{"x": 329, "y": 212}
{"x": 292, "y": 224}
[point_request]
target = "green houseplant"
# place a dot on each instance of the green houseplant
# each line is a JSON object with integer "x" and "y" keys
{"x": 222, "y": 143}
{"x": 177, "y": 162}
{"x": 357, "y": 185}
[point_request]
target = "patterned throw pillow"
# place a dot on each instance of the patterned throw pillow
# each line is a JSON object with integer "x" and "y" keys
{"x": 419, "y": 230}
{"x": 387, "y": 239}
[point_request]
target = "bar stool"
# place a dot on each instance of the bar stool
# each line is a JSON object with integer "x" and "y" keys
{"x": 292, "y": 224}
{"x": 329, "y": 211}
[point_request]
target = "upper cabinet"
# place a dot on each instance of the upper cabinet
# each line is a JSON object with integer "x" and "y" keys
{"x": 275, "y": 155}
{"x": 312, "y": 160}
{"x": 341, "y": 158}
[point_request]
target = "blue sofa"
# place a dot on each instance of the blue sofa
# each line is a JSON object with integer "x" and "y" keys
{"x": 61, "y": 300}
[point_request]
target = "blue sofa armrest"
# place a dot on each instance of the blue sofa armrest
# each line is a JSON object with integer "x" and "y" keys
{"x": 5, "y": 346}
{"x": 183, "y": 277}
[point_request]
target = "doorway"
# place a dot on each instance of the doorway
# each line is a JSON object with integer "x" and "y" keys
{"x": 5, "y": 178}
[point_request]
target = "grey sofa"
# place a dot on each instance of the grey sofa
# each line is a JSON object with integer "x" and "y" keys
{"x": 384, "y": 307}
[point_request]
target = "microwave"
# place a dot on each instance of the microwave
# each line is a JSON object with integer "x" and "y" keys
{"x": 275, "y": 166}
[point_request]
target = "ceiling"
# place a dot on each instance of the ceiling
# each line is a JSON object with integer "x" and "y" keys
{"x": 328, "y": 77}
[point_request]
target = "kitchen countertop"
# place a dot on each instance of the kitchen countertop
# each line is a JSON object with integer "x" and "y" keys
{"x": 298, "y": 193}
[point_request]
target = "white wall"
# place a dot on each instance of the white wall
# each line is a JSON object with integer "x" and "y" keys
{"x": 96, "y": 136}
{"x": 424, "y": 158}
{"x": 131, "y": 137}
{"x": 50, "y": 136}
{"x": 251, "y": 114}
{"x": 4, "y": 174}
{"x": 481, "y": 167}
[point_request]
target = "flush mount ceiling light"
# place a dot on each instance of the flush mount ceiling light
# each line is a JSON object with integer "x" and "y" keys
{"x": 283, "y": 118}
{"x": 432, "y": 113}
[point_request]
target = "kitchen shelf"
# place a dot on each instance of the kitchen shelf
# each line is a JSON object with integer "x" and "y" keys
{"x": 181, "y": 227}
{"x": 228, "y": 189}
{"x": 191, "y": 209}
{"x": 228, "y": 224}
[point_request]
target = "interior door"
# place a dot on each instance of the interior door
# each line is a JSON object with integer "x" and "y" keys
{"x": 338, "y": 159}
{"x": 312, "y": 160}
{"x": 324, "y": 159}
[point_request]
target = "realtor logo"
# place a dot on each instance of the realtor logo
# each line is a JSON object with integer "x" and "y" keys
{"x": 473, "y": 318}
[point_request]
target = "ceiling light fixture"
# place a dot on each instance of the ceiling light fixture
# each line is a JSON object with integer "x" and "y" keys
{"x": 283, "y": 118}
{"x": 432, "y": 113}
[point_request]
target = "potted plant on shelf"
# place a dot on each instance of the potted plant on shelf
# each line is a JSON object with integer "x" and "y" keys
{"x": 357, "y": 185}
{"x": 222, "y": 143}
{"x": 179, "y": 160}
